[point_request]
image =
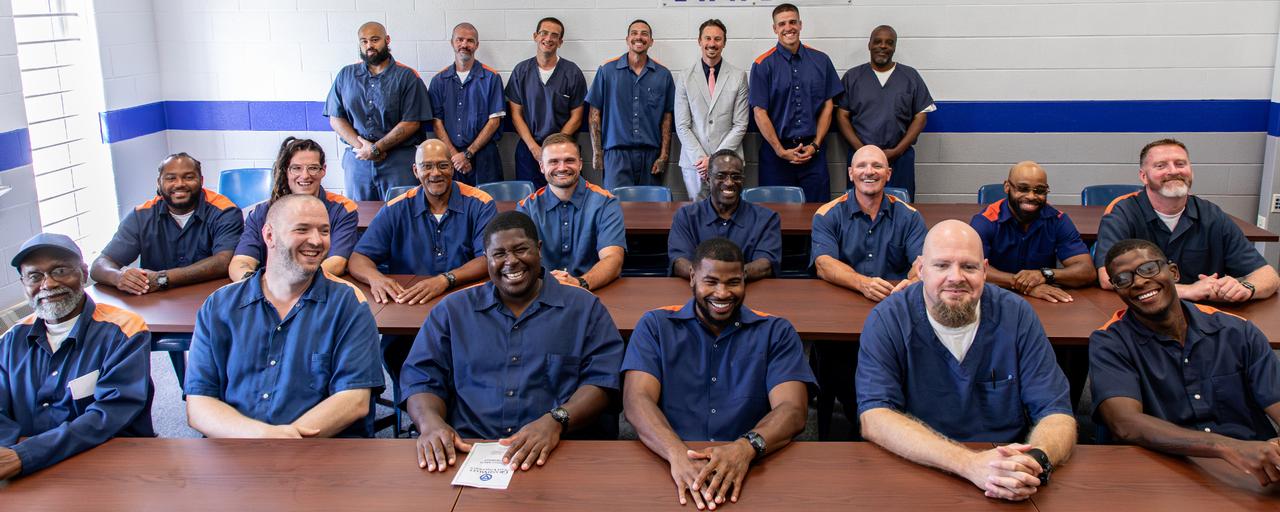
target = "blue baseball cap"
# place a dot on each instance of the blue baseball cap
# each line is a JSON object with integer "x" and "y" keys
{"x": 46, "y": 240}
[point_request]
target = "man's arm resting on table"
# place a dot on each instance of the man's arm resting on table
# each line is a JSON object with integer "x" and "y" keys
{"x": 1077, "y": 271}
{"x": 840, "y": 273}
{"x": 336, "y": 265}
{"x": 206, "y": 269}
{"x": 536, "y": 440}
{"x": 438, "y": 444}
{"x": 105, "y": 270}
{"x": 381, "y": 287}
{"x": 607, "y": 269}
{"x": 759, "y": 269}
{"x": 640, "y": 395}
{"x": 1055, "y": 434}
{"x": 333, "y": 414}
{"x": 10, "y": 464}
{"x": 242, "y": 265}
{"x": 1264, "y": 280}
{"x": 1128, "y": 423}
{"x": 216, "y": 419}
{"x": 424, "y": 290}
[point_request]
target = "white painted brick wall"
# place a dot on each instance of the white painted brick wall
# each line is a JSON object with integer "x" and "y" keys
{"x": 18, "y": 209}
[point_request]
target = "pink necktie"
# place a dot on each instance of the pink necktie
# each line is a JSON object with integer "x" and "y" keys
{"x": 711, "y": 80}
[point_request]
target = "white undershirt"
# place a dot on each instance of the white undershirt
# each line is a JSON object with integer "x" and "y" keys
{"x": 462, "y": 75}
{"x": 438, "y": 216}
{"x": 1171, "y": 220}
{"x": 58, "y": 333}
{"x": 545, "y": 74}
{"x": 956, "y": 339}
{"x": 182, "y": 219}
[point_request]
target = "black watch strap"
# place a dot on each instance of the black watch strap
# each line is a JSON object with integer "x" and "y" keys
{"x": 584, "y": 284}
{"x": 448, "y": 276}
{"x": 756, "y": 441}
{"x": 1046, "y": 467}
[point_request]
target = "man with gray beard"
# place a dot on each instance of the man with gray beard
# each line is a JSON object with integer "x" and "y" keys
{"x": 72, "y": 375}
{"x": 951, "y": 359}
{"x": 291, "y": 352}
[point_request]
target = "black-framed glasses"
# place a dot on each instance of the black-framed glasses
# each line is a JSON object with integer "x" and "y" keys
{"x": 58, "y": 274}
{"x": 735, "y": 177}
{"x": 1147, "y": 270}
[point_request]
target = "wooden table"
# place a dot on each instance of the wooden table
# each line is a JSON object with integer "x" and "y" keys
{"x": 1135, "y": 479}
{"x": 644, "y": 218}
{"x": 172, "y": 475}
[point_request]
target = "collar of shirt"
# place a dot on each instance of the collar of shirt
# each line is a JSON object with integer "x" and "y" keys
{"x": 802, "y": 52}
{"x": 419, "y": 206}
{"x": 623, "y": 63}
{"x": 362, "y": 71}
{"x": 746, "y": 315}
{"x": 39, "y": 332}
{"x": 886, "y": 206}
{"x": 161, "y": 207}
{"x": 710, "y": 216}
{"x": 1192, "y": 211}
{"x": 314, "y": 293}
{"x": 1006, "y": 212}
{"x": 552, "y": 294}
{"x": 706, "y": 70}
{"x": 578, "y": 199}
{"x": 1199, "y": 324}
{"x": 477, "y": 71}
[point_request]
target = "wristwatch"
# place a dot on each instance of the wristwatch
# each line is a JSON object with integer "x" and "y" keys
{"x": 451, "y": 278}
{"x": 561, "y": 415}
{"x": 1046, "y": 467}
{"x": 468, "y": 154}
{"x": 1048, "y": 274}
{"x": 377, "y": 153}
{"x": 757, "y": 442}
{"x": 1252, "y": 289}
{"x": 584, "y": 284}
{"x": 248, "y": 274}
{"x": 162, "y": 280}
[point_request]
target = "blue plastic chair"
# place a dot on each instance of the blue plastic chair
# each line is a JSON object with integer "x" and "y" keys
{"x": 245, "y": 187}
{"x": 176, "y": 345}
{"x": 774, "y": 195}
{"x": 645, "y": 193}
{"x": 898, "y": 192}
{"x": 508, "y": 190}
{"x": 1102, "y": 195}
{"x": 988, "y": 194}
{"x": 395, "y": 191}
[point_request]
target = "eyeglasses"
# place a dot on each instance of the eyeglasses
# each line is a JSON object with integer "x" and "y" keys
{"x": 544, "y": 33}
{"x": 1026, "y": 189}
{"x": 735, "y": 177}
{"x": 58, "y": 274}
{"x": 310, "y": 169}
{"x": 442, "y": 166}
{"x": 1148, "y": 270}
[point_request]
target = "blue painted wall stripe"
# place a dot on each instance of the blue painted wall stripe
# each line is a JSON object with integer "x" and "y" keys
{"x": 15, "y": 149}
{"x": 1142, "y": 116}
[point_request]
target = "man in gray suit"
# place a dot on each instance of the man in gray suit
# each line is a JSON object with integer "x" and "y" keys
{"x": 711, "y": 108}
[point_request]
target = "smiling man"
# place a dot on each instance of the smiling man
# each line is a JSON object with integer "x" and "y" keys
{"x": 688, "y": 368}
{"x": 545, "y": 95}
{"x": 631, "y": 100}
{"x": 73, "y": 374}
{"x": 184, "y": 235}
{"x": 951, "y": 360}
{"x": 468, "y": 107}
{"x": 522, "y": 359}
{"x": 711, "y": 108}
{"x": 755, "y": 229}
{"x": 886, "y": 104}
{"x": 1182, "y": 378}
{"x": 580, "y": 224}
{"x": 1217, "y": 262}
{"x": 1024, "y": 239}
{"x": 290, "y": 353}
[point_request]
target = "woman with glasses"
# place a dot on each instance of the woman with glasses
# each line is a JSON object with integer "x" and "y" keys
{"x": 299, "y": 169}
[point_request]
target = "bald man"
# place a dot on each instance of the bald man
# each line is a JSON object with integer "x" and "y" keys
{"x": 468, "y": 106}
{"x": 1031, "y": 247}
{"x": 377, "y": 107}
{"x": 290, "y": 352}
{"x": 952, "y": 360}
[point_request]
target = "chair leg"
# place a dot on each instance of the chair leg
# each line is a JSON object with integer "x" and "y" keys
{"x": 179, "y": 360}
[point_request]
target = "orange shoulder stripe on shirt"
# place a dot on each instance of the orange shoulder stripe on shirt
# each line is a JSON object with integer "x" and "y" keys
{"x": 150, "y": 203}
{"x": 354, "y": 288}
{"x": 413, "y": 192}
{"x": 759, "y": 313}
{"x": 347, "y": 204}
{"x": 597, "y": 189}
{"x": 470, "y": 191}
{"x": 128, "y": 322}
{"x": 822, "y": 210}
{"x": 531, "y": 197}
{"x": 676, "y": 307}
{"x": 611, "y": 60}
{"x": 1114, "y": 318}
{"x": 1209, "y": 310}
{"x": 992, "y": 213}
{"x": 218, "y": 201}
{"x": 410, "y": 68}
{"x": 491, "y": 70}
{"x": 766, "y": 54}
{"x": 1112, "y": 205}
{"x": 29, "y": 320}
{"x": 894, "y": 199}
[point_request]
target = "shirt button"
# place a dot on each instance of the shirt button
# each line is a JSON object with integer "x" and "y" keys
{"x": 273, "y": 362}
{"x": 515, "y": 358}
{"x": 516, "y": 328}
{"x": 715, "y": 345}
{"x": 868, "y": 231}
{"x": 1186, "y": 361}
{"x": 737, "y": 324}
{"x": 511, "y": 393}
{"x": 1206, "y": 429}
{"x": 46, "y": 404}
{"x": 508, "y": 430}
{"x": 566, "y": 223}
{"x": 870, "y": 256}
{"x": 713, "y": 379}
{"x": 55, "y": 373}
{"x": 1197, "y": 396}
{"x": 266, "y": 396}
{"x": 713, "y": 411}
{"x": 278, "y": 327}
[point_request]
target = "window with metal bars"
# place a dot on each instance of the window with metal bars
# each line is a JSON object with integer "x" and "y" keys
{"x": 74, "y": 182}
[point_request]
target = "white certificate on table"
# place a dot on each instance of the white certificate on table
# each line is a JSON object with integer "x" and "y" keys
{"x": 483, "y": 468}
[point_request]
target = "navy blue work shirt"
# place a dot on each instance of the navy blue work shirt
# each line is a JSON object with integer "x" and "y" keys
{"x": 495, "y": 372}
{"x": 547, "y": 107}
{"x": 574, "y": 232}
{"x": 716, "y": 388}
{"x": 755, "y": 229}
{"x": 465, "y": 107}
{"x": 374, "y": 104}
{"x": 275, "y": 370}
{"x": 343, "y": 224}
{"x": 95, "y": 387}
{"x": 408, "y": 238}
{"x": 791, "y": 88}
{"x": 882, "y": 113}
{"x": 1204, "y": 241}
{"x": 1220, "y": 381}
{"x": 884, "y": 247}
{"x": 150, "y": 232}
{"x": 1008, "y": 247}
{"x": 1009, "y": 379}
{"x": 631, "y": 106}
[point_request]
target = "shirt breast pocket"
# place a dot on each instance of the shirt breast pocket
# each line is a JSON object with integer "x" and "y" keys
{"x": 999, "y": 402}
{"x": 319, "y": 369}
{"x": 1230, "y": 402}
{"x": 653, "y": 96}
{"x": 562, "y": 371}
{"x": 895, "y": 255}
